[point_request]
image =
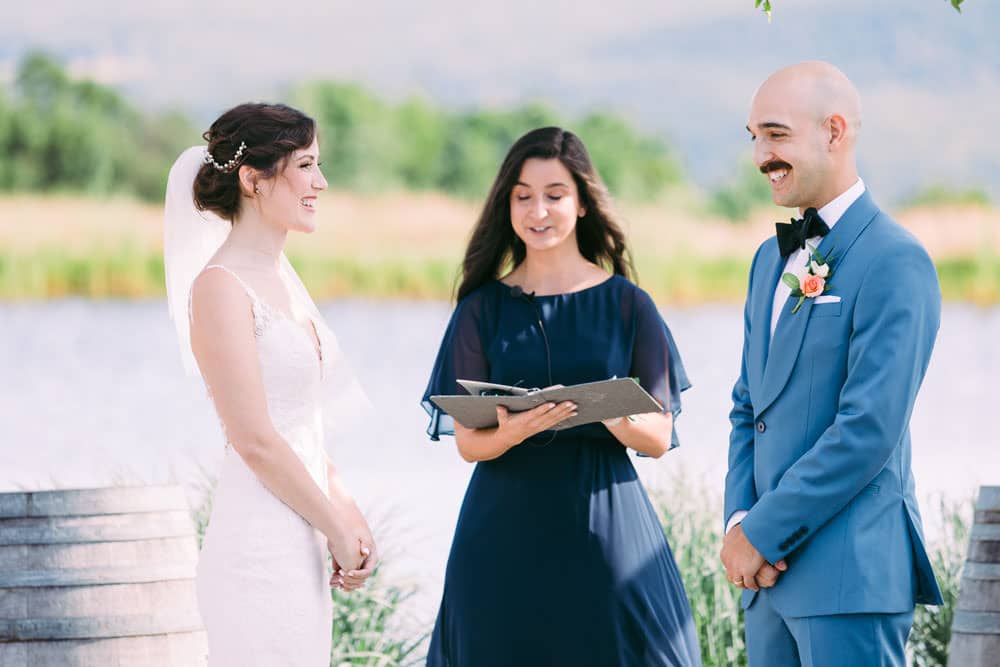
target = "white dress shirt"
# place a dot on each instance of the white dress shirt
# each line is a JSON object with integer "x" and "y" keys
{"x": 797, "y": 261}
{"x": 831, "y": 213}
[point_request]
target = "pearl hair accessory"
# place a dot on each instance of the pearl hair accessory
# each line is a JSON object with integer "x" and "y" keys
{"x": 228, "y": 166}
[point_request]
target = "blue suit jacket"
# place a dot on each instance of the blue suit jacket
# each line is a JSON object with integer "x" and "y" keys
{"x": 820, "y": 445}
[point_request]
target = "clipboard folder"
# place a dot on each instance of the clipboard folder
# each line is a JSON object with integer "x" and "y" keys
{"x": 605, "y": 399}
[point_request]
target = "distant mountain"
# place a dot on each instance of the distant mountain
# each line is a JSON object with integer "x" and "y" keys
{"x": 929, "y": 77}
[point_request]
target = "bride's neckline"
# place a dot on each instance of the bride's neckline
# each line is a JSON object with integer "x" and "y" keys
{"x": 314, "y": 340}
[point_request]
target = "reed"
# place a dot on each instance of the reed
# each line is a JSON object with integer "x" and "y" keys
{"x": 693, "y": 528}
{"x": 931, "y": 634}
{"x": 130, "y": 272}
{"x": 409, "y": 245}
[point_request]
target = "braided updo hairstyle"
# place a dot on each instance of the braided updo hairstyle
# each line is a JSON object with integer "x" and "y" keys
{"x": 271, "y": 133}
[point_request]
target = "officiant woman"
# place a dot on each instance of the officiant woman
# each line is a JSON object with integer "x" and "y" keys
{"x": 558, "y": 556}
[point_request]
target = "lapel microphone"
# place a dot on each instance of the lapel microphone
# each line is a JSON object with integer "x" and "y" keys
{"x": 529, "y": 297}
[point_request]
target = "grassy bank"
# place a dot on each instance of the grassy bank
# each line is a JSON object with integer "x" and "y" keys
{"x": 410, "y": 245}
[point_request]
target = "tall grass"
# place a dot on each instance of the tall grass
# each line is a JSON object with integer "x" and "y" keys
{"x": 693, "y": 528}
{"x": 928, "y": 646}
{"x": 692, "y": 523}
{"x": 128, "y": 271}
{"x": 370, "y": 629}
{"x": 407, "y": 245}
{"x": 366, "y": 627}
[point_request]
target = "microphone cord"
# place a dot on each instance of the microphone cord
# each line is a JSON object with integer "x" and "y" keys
{"x": 521, "y": 295}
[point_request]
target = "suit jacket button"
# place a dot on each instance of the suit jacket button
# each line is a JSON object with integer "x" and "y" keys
{"x": 761, "y": 426}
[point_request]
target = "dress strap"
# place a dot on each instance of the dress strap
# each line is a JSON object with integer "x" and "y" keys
{"x": 249, "y": 290}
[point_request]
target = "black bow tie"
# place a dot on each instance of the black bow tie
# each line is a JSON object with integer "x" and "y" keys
{"x": 792, "y": 237}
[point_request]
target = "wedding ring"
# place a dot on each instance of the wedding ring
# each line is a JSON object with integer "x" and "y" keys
{"x": 737, "y": 581}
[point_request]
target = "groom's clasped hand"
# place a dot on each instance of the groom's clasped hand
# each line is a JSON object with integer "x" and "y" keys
{"x": 745, "y": 567}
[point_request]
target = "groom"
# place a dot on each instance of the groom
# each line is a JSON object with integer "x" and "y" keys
{"x": 823, "y": 529}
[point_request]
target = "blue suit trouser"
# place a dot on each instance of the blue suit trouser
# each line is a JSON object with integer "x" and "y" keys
{"x": 844, "y": 640}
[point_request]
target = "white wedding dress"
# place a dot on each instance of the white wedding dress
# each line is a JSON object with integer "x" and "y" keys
{"x": 263, "y": 575}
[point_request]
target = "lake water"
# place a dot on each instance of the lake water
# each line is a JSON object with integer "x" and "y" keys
{"x": 93, "y": 393}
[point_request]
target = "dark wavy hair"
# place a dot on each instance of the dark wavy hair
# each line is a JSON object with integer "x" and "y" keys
{"x": 494, "y": 246}
{"x": 272, "y": 132}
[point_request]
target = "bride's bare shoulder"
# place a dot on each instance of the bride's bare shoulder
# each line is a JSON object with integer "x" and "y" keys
{"x": 218, "y": 292}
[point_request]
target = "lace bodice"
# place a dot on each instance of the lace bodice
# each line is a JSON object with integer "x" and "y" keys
{"x": 294, "y": 372}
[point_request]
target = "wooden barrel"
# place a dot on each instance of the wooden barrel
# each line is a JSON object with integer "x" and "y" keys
{"x": 99, "y": 577}
{"x": 975, "y": 630}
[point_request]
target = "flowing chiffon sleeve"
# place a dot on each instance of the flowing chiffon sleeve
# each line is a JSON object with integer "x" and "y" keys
{"x": 656, "y": 361}
{"x": 460, "y": 357}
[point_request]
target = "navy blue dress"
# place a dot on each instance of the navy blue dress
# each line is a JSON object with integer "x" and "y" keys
{"x": 558, "y": 556}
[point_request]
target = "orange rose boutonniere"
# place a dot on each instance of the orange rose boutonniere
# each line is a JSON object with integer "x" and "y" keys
{"x": 813, "y": 281}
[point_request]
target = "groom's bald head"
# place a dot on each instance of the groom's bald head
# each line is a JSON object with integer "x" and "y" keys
{"x": 819, "y": 89}
{"x": 805, "y": 121}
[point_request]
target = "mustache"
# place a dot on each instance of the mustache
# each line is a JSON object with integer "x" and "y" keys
{"x": 774, "y": 164}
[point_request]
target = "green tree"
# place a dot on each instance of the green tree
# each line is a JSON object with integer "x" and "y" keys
{"x": 57, "y": 133}
{"x": 737, "y": 199}
{"x": 478, "y": 142}
{"x": 356, "y": 135}
{"x": 633, "y": 166}
{"x": 423, "y": 133}
{"x": 7, "y": 120}
{"x": 41, "y": 80}
{"x": 62, "y": 134}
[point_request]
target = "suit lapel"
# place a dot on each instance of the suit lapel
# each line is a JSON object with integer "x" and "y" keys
{"x": 760, "y": 325}
{"x": 791, "y": 329}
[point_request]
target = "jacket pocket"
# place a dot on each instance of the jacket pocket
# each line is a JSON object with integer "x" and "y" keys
{"x": 825, "y": 309}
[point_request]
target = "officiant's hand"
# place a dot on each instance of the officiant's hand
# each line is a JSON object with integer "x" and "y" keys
{"x": 520, "y": 426}
{"x": 741, "y": 559}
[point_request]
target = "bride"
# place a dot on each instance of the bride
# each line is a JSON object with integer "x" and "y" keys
{"x": 268, "y": 361}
